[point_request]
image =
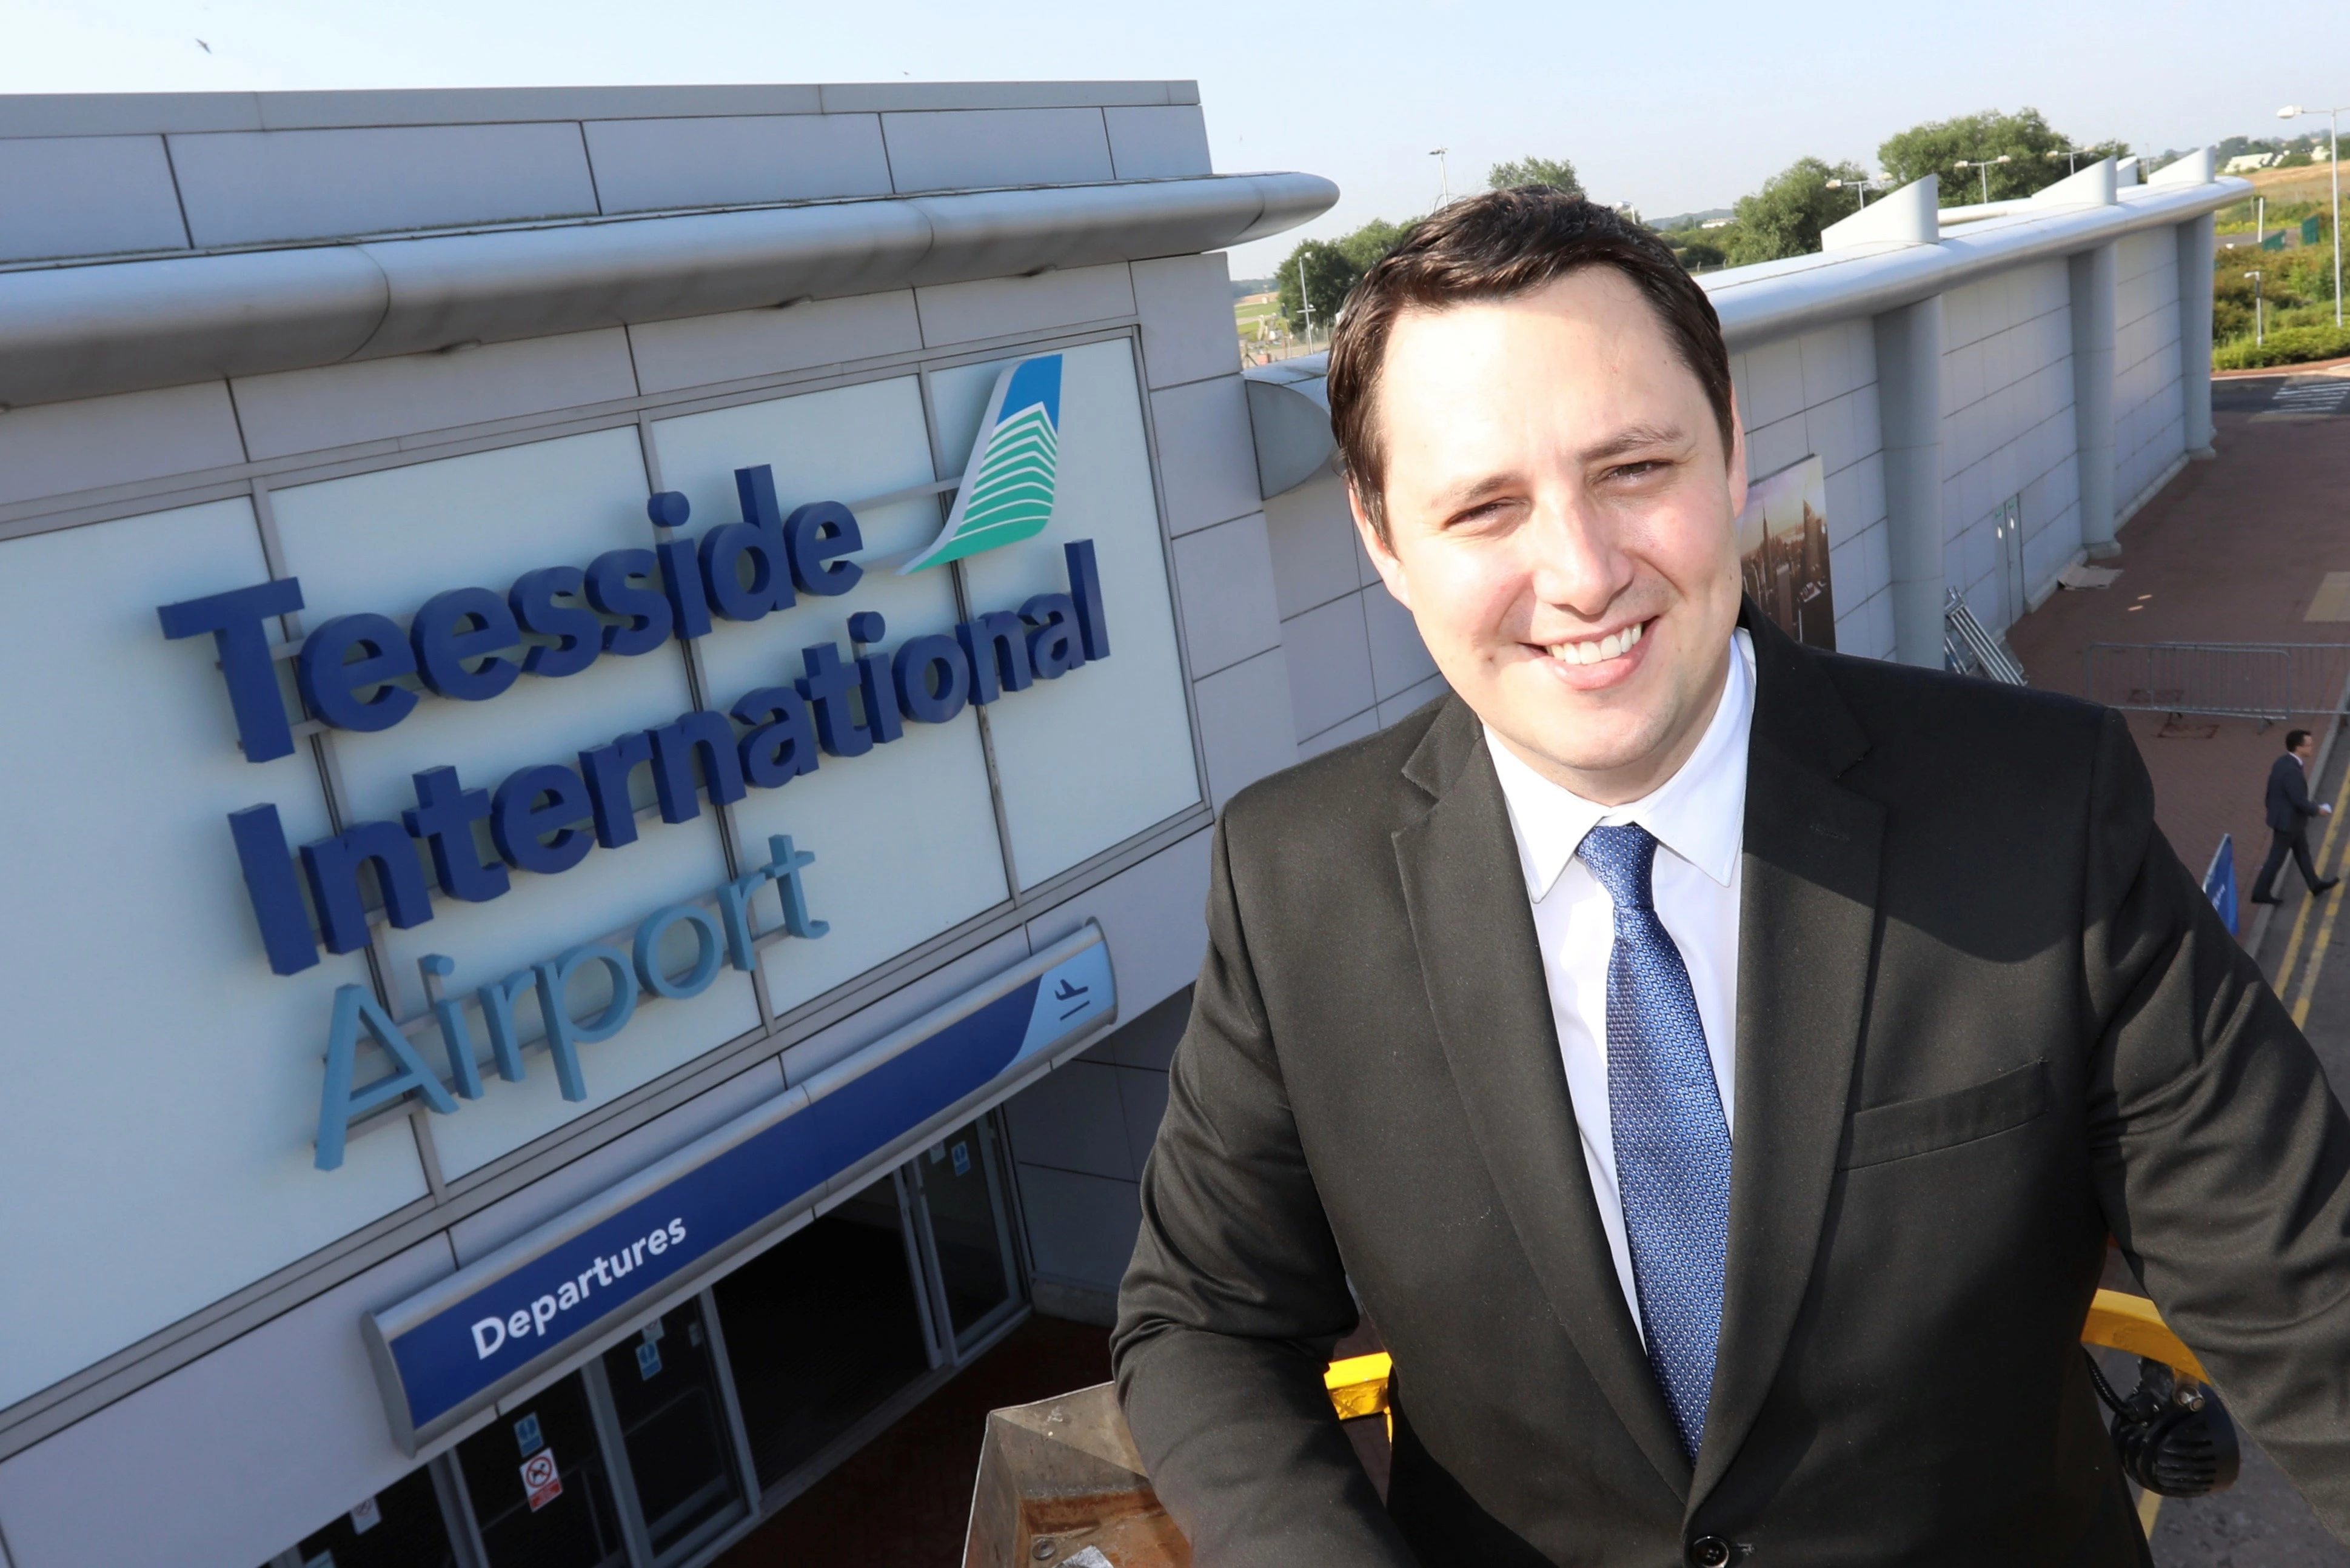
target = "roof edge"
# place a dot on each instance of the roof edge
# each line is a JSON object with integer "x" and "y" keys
{"x": 91, "y": 330}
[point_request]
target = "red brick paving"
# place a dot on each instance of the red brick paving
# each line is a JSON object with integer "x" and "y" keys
{"x": 2231, "y": 551}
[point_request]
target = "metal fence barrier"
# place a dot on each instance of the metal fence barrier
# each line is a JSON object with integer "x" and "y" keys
{"x": 2234, "y": 680}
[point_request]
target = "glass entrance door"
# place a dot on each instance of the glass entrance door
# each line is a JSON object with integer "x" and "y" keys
{"x": 673, "y": 1427}
{"x": 963, "y": 1200}
{"x": 824, "y": 1328}
{"x": 540, "y": 1492}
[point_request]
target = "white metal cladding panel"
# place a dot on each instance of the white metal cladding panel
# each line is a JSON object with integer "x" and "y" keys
{"x": 959, "y": 150}
{"x": 1185, "y": 304}
{"x": 387, "y": 542}
{"x": 55, "y": 449}
{"x": 340, "y": 405}
{"x": 2008, "y": 431}
{"x": 1206, "y": 452}
{"x": 251, "y": 1447}
{"x": 244, "y": 186}
{"x": 1106, "y": 751}
{"x": 955, "y": 313}
{"x": 165, "y": 1084}
{"x": 1328, "y": 652}
{"x": 1246, "y": 726}
{"x": 1351, "y": 652}
{"x": 703, "y": 350}
{"x": 48, "y": 187}
{"x": 729, "y": 159}
{"x": 1860, "y": 556}
{"x": 1816, "y": 394}
{"x": 2148, "y": 416}
{"x": 1224, "y": 585}
{"x": 1158, "y": 143}
{"x": 914, "y": 814}
{"x": 1315, "y": 553}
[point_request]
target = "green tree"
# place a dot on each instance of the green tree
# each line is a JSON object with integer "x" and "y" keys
{"x": 1374, "y": 239}
{"x": 1697, "y": 254}
{"x": 1332, "y": 269}
{"x": 1784, "y": 218}
{"x": 2034, "y": 148}
{"x": 1555, "y": 171}
{"x": 1326, "y": 275}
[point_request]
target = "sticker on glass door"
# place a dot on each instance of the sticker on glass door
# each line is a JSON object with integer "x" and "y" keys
{"x": 540, "y": 1480}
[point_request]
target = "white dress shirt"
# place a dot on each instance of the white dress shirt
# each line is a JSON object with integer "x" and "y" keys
{"x": 1698, "y": 817}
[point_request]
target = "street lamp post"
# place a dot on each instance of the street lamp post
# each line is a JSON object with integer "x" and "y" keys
{"x": 1443, "y": 176}
{"x": 1983, "y": 164}
{"x": 2073, "y": 155}
{"x": 2334, "y": 136}
{"x": 2259, "y": 333}
{"x": 1877, "y": 182}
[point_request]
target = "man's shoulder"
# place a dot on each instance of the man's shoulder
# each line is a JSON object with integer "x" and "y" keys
{"x": 1940, "y": 711}
{"x": 1351, "y": 788}
{"x": 1990, "y": 751}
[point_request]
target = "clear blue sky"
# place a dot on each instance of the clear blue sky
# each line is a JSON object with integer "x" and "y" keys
{"x": 1670, "y": 108}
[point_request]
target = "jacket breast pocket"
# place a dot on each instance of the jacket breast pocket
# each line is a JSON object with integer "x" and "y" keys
{"x": 1906, "y": 1127}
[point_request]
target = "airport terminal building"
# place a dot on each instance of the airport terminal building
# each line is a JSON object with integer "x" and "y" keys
{"x": 617, "y": 696}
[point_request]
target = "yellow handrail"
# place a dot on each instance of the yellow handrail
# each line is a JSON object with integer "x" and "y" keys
{"x": 1359, "y": 1384}
{"x": 2121, "y": 1321}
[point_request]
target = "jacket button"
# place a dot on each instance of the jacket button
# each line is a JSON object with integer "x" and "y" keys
{"x": 1708, "y": 1552}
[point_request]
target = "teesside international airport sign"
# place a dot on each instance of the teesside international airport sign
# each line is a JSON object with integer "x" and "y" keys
{"x": 475, "y": 644}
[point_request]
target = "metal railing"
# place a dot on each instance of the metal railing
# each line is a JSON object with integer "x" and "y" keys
{"x": 1971, "y": 648}
{"x": 2232, "y": 679}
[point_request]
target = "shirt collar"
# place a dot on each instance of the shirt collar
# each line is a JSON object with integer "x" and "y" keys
{"x": 1699, "y": 814}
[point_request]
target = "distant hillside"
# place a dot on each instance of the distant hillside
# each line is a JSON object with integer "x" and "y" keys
{"x": 1689, "y": 220}
{"x": 1244, "y": 286}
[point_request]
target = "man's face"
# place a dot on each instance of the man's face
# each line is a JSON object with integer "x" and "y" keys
{"x": 2307, "y": 750}
{"x": 1561, "y": 517}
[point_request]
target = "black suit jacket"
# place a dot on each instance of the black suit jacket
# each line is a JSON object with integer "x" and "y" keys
{"x": 2290, "y": 807}
{"x": 1985, "y": 1018}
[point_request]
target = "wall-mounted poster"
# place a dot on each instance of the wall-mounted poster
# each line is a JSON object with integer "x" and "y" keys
{"x": 1782, "y": 542}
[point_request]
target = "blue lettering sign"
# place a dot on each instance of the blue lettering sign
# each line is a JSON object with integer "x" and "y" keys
{"x": 724, "y": 937}
{"x": 541, "y": 815}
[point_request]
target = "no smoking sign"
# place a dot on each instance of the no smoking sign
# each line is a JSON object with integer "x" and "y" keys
{"x": 540, "y": 1480}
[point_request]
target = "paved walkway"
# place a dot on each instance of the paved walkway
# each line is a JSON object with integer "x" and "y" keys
{"x": 2235, "y": 550}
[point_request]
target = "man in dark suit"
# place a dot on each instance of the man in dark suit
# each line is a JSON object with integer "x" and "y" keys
{"x": 1716, "y": 1065}
{"x": 2289, "y": 812}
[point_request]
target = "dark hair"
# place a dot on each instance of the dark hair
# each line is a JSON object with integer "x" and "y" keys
{"x": 2293, "y": 738}
{"x": 1497, "y": 246}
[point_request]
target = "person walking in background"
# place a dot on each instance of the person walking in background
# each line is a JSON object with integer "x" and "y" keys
{"x": 2290, "y": 809}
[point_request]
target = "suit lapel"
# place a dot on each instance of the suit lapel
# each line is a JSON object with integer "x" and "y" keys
{"x": 1482, "y": 968}
{"x": 1807, "y": 927}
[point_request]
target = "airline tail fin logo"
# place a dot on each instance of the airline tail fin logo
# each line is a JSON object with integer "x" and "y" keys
{"x": 1007, "y": 488}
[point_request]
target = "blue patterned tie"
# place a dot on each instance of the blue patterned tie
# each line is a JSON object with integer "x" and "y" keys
{"x": 1672, "y": 1143}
